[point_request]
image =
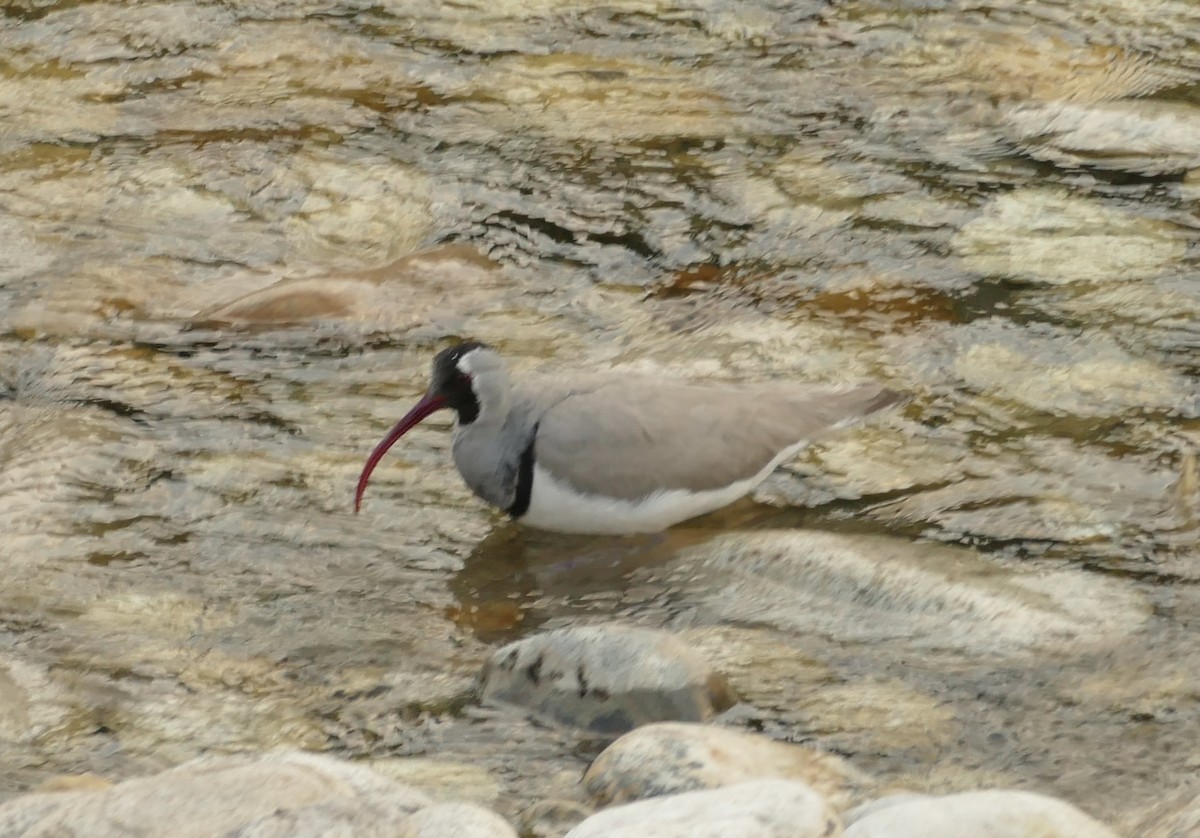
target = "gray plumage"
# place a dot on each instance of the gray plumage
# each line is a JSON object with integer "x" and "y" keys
{"x": 618, "y": 453}
{"x": 627, "y": 436}
{"x": 630, "y": 437}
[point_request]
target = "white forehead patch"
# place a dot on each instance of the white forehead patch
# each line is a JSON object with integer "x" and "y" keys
{"x": 464, "y": 363}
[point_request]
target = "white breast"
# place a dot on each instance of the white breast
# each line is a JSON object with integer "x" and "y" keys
{"x": 554, "y": 505}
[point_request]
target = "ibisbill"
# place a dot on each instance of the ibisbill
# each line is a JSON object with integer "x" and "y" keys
{"x": 618, "y": 453}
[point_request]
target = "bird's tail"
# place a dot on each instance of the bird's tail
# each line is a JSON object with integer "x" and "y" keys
{"x": 878, "y": 397}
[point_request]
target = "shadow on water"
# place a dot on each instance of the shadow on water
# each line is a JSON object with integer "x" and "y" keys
{"x": 518, "y": 579}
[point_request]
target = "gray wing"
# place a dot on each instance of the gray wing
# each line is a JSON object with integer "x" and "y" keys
{"x": 632, "y": 437}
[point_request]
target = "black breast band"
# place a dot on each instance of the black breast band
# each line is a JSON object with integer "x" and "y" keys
{"x": 520, "y": 504}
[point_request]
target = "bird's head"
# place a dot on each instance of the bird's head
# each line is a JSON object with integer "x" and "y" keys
{"x": 470, "y": 378}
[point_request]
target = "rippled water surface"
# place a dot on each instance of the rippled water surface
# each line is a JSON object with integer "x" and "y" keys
{"x": 236, "y": 232}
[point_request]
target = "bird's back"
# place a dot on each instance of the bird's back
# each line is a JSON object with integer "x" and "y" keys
{"x": 628, "y": 437}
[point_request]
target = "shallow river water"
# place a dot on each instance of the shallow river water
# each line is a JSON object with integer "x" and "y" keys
{"x": 234, "y": 234}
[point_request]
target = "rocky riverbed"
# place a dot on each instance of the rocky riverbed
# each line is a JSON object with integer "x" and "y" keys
{"x": 235, "y": 234}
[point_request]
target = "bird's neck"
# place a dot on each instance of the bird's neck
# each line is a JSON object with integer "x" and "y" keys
{"x": 484, "y": 413}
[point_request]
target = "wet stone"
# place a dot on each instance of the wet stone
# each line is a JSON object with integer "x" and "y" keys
{"x": 605, "y": 678}
{"x": 672, "y": 757}
{"x": 980, "y": 814}
{"x": 214, "y": 796}
{"x": 286, "y": 793}
{"x": 759, "y": 809}
{"x": 457, "y": 820}
{"x": 552, "y": 818}
{"x": 331, "y": 817}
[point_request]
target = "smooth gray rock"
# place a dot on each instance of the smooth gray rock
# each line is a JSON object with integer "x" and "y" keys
{"x": 371, "y": 817}
{"x": 673, "y": 757}
{"x": 979, "y": 814}
{"x": 457, "y": 820}
{"x": 758, "y": 809}
{"x": 287, "y": 794}
{"x": 605, "y": 678}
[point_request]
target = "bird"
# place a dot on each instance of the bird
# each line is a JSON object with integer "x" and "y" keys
{"x": 617, "y": 453}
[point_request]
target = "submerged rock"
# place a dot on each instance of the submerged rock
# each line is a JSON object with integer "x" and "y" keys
{"x": 287, "y": 793}
{"x": 1028, "y": 64}
{"x": 1044, "y": 368}
{"x": 406, "y": 292}
{"x": 763, "y": 668}
{"x": 1045, "y": 235}
{"x": 880, "y": 590}
{"x": 1050, "y": 490}
{"x": 586, "y": 96}
{"x": 672, "y": 757}
{"x": 1149, "y": 137}
{"x": 605, "y": 678}
{"x": 758, "y": 809}
{"x": 876, "y": 715}
{"x": 979, "y": 814}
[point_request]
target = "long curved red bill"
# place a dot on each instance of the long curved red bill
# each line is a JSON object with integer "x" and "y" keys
{"x": 427, "y": 405}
